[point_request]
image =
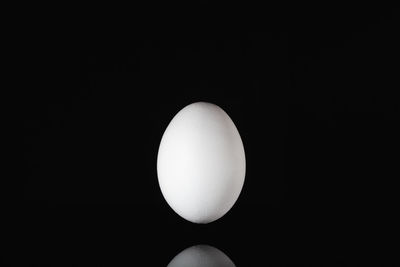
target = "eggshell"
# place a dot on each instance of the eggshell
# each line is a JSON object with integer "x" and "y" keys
{"x": 201, "y": 163}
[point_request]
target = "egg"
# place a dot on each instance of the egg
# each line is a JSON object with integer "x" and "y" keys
{"x": 201, "y": 163}
{"x": 202, "y": 256}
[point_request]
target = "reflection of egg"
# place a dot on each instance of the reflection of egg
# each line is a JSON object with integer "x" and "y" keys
{"x": 201, "y": 163}
{"x": 201, "y": 256}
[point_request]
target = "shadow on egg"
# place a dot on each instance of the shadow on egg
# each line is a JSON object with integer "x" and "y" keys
{"x": 201, "y": 256}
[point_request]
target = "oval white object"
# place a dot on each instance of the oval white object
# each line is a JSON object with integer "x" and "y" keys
{"x": 201, "y": 256}
{"x": 201, "y": 163}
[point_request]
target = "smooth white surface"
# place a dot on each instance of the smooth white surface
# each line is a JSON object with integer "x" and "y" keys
{"x": 201, "y": 163}
{"x": 201, "y": 256}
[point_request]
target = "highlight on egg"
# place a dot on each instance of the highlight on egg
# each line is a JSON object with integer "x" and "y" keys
{"x": 201, "y": 163}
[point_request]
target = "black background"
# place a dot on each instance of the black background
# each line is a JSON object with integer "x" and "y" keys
{"x": 311, "y": 89}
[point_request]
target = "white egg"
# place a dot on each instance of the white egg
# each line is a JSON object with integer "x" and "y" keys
{"x": 201, "y": 256}
{"x": 201, "y": 163}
